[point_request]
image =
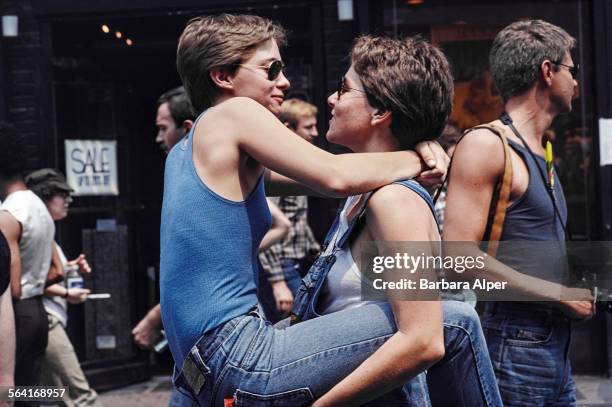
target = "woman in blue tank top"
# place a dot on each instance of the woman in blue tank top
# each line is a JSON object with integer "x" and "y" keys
{"x": 214, "y": 216}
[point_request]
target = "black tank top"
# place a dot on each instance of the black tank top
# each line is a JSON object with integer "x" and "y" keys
{"x": 5, "y": 264}
{"x": 536, "y": 233}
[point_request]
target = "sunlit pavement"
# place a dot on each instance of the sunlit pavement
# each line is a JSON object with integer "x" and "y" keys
{"x": 592, "y": 391}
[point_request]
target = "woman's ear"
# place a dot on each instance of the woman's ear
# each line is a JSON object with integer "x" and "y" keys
{"x": 222, "y": 78}
{"x": 380, "y": 117}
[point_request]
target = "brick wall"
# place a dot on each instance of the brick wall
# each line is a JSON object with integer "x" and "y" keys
{"x": 22, "y": 80}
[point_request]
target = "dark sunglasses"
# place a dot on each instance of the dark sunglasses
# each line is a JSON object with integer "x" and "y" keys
{"x": 342, "y": 88}
{"x": 573, "y": 70}
{"x": 274, "y": 69}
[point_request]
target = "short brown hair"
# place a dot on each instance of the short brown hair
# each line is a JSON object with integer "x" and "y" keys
{"x": 292, "y": 110}
{"x": 408, "y": 77}
{"x": 223, "y": 40}
{"x": 518, "y": 51}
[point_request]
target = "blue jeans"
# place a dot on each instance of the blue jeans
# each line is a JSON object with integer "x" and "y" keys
{"x": 529, "y": 347}
{"x": 178, "y": 399}
{"x": 464, "y": 376}
{"x": 247, "y": 358}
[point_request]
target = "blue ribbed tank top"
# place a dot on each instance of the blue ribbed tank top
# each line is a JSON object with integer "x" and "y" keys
{"x": 538, "y": 247}
{"x": 208, "y": 252}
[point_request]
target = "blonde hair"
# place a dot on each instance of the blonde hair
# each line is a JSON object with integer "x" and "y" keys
{"x": 224, "y": 40}
{"x": 293, "y": 110}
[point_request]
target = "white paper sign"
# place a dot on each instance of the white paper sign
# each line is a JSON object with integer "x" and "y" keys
{"x": 91, "y": 167}
{"x": 605, "y": 142}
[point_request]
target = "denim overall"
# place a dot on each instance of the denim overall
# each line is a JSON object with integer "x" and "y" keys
{"x": 466, "y": 362}
{"x": 304, "y": 304}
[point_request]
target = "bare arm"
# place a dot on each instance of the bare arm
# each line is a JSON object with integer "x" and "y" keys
{"x": 147, "y": 330}
{"x": 72, "y": 295}
{"x": 418, "y": 343}
{"x": 280, "y": 185}
{"x": 256, "y": 132}
{"x": 279, "y": 229}
{"x": 7, "y": 343}
{"x": 56, "y": 270}
{"x": 470, "y": 189}
{"x": 12, "y": 232}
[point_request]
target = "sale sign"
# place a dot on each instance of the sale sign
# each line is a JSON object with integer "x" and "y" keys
{"x": 91, "y": 167}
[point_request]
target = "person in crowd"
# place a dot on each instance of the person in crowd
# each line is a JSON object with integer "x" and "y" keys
{"x": 7, "y": 318}
{"x": 214, "y": 209}
{"x": 529, "y": 341}
{"x": 29, "y": 231}
{"x": 60, "y": 365}
{"x": 173, "y": 120}
{"x": 397, "y": 93}
{"x": 174, "y": 117}
{"x": 285, "y": 263}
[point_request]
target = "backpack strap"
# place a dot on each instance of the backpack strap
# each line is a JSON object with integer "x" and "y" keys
{"x": 501, "y": 194}
{"x": 499, "y": 206}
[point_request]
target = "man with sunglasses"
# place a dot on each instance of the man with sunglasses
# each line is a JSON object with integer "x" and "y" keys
{"x": 528, "y": 341}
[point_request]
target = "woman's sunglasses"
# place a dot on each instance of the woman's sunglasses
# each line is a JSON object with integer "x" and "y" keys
{"x": 342, "y": 88}
{"x": 274, "y": 69}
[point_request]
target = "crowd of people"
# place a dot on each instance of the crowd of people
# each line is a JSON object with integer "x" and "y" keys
{"x": 260, "y": 313}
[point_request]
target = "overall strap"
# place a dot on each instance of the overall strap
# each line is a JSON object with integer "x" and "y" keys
{"x": 341, "y": 242}
{"x": 420, "y": 191}
{"x": 410, "y": 184}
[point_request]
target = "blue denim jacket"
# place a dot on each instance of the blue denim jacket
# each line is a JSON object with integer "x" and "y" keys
{"x": 304, "y": 304}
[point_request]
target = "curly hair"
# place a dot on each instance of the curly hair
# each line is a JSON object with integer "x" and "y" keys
{"x": 410, "y": 78}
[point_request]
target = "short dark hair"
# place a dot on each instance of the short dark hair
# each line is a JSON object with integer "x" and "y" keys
{"x": 178, "y": 104}
{"x": 12, "y": 153}
{"x": 518, "y": 51}
{"x": 409, "y": 77}
{"x": 223, "y": 40}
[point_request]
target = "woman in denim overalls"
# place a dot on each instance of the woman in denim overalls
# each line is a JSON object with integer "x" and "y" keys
{"x": 387, "y": 79}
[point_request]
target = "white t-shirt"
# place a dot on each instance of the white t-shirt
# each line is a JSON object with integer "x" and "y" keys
{"x": 55, "y": 305}
{"x": 37, "y": 233}
{"x": 342, "y": 289}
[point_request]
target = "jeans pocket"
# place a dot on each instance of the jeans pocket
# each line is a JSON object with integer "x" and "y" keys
{"x": 297, "y": 398}
{"x": 529, "y": 336}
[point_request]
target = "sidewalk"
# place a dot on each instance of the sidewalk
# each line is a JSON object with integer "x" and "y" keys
{"x": 592, "y": 391}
